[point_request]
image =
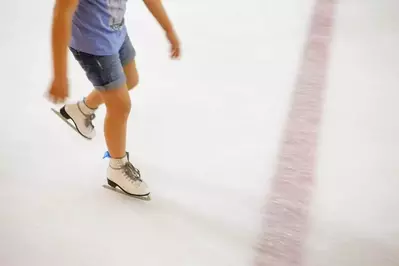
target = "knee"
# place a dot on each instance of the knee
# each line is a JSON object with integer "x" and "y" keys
{"x": 120, "y": 107}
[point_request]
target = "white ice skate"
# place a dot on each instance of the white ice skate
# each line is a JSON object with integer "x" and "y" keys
{"x": 81, "y": 117}
{"x": 122, "y": 174}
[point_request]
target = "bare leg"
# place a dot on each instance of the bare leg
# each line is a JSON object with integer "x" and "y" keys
{"x": 120, "y": 173}
{"x": 94, "y": 99}
{"x": 118, "y": 106}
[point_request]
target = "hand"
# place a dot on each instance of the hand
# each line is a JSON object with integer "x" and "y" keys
{"x": 174, "y": 43}
{"x": 58, "y": 91}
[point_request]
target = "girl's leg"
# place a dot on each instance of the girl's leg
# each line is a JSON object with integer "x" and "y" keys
{"x": 94, "y": 99}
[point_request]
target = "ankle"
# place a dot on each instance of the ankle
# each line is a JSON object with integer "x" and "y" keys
{"x": 118, "y": 156}
{"x": 86, "y": 108}
{"x": 89, "y": 104}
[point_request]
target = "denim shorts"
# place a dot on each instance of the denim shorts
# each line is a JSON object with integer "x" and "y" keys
{"x": 106, "y": 72}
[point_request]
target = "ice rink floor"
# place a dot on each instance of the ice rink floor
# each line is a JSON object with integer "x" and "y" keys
{"x": 272, "y": 142}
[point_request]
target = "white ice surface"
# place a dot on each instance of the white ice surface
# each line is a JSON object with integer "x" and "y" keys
{"x": 203, "y": 131}
{"x": 354, "y": 220}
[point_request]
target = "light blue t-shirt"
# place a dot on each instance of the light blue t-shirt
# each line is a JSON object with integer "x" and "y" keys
{"x": 98, "y": 26}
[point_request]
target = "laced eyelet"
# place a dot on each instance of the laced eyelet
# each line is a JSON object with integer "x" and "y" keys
{"x": 89, "y": 119}
{"x": 132, "y": 173}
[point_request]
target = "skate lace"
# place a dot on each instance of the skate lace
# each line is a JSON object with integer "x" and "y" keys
{"x": 89, "y": 120}
{"x": 131, "y": 172}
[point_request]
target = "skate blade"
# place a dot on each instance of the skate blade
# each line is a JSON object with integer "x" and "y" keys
{"x": 68, "y": 122}
{"x": 146, "y": 198}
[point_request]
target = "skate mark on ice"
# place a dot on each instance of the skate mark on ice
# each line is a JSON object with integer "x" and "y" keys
{"x": 285, "y": 222}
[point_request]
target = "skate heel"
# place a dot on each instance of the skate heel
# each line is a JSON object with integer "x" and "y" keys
{"x": 112, "y": 184}
{"x": 64, "y": 113}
